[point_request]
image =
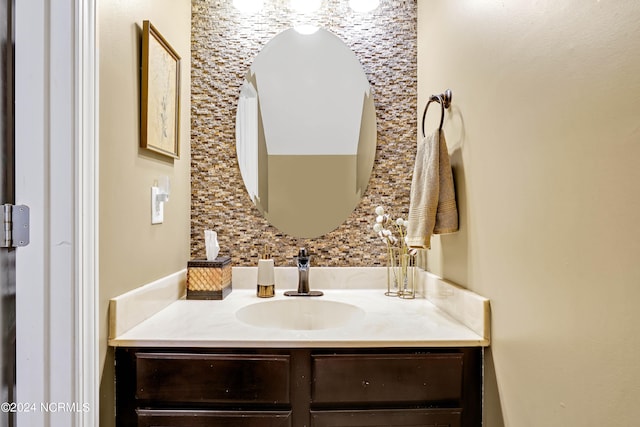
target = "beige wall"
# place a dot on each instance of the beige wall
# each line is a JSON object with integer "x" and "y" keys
{"x": 132, "y": 251}
{"x": 544, "y": 135}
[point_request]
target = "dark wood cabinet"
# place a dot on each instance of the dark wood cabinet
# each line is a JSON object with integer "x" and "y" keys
{"x": 212, "y": 378}
{"x": 387, "y": 417}
{"x": 391, "y": 379}
{"x": 298, "y": 387}
{"x": 200, "y": 418}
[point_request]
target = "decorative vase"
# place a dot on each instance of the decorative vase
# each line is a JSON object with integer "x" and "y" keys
{"x": 401, "y": 273}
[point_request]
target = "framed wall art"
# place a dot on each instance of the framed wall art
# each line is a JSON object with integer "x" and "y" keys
{"x": 160, "y": 103}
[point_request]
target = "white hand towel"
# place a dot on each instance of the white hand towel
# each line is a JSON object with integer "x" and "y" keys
{"x": 432, "y": 207}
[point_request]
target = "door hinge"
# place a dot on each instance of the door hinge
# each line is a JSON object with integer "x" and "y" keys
{"x": 15, "y": 230}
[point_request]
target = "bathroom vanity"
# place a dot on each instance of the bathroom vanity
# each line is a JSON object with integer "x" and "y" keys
{"x": 395, "y": 363}
{"x": 299, "y": 387}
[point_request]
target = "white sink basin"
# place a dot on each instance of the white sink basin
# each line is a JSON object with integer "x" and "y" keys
{"x": 306, "y": 313}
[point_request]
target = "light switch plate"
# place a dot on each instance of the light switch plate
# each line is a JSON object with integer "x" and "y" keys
{"x": 157, "y": 207}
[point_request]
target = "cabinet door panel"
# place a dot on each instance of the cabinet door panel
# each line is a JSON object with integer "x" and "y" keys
{"x": 390, "y": 378}
{"x": 212, "y": 378}
{"x": 379, "y": 418}
{"x": 166, "y": 418}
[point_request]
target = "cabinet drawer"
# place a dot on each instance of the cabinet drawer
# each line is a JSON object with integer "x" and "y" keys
{"x": 387, "y": 378}
{"x": 212, "y": 378}
{"x": 398, "y": 417}
{"x": 186, "y": 418}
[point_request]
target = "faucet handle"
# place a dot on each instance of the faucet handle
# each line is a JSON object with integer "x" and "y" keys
{"x": 303, "y": 258}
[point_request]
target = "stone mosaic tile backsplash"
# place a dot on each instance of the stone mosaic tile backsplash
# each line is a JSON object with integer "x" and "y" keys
{"x": 224, "y": 43}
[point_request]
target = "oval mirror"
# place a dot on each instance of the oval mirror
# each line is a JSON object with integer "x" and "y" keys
{"x": 305, "y": 132}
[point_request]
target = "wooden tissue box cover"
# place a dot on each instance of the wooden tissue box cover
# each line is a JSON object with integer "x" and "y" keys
{"x": 209, "y": 279}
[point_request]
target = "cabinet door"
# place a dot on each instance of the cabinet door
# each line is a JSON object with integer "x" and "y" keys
{"x": 382, "y": 417}
{"x": 187, "y": 418}
{"x": 174, "y": 378}
{"x": 395, "y": 379}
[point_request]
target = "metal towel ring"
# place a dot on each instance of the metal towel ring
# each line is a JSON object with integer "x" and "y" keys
{"x": 444, "y": 99}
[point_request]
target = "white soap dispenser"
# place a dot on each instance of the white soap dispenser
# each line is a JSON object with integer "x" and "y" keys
{"x": 266, "y": 287}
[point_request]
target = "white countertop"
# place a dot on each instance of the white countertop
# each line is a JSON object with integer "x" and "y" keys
{"x": 387, "y": 321}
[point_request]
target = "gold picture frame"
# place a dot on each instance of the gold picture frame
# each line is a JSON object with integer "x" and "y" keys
{"x": 160, "y": 103}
